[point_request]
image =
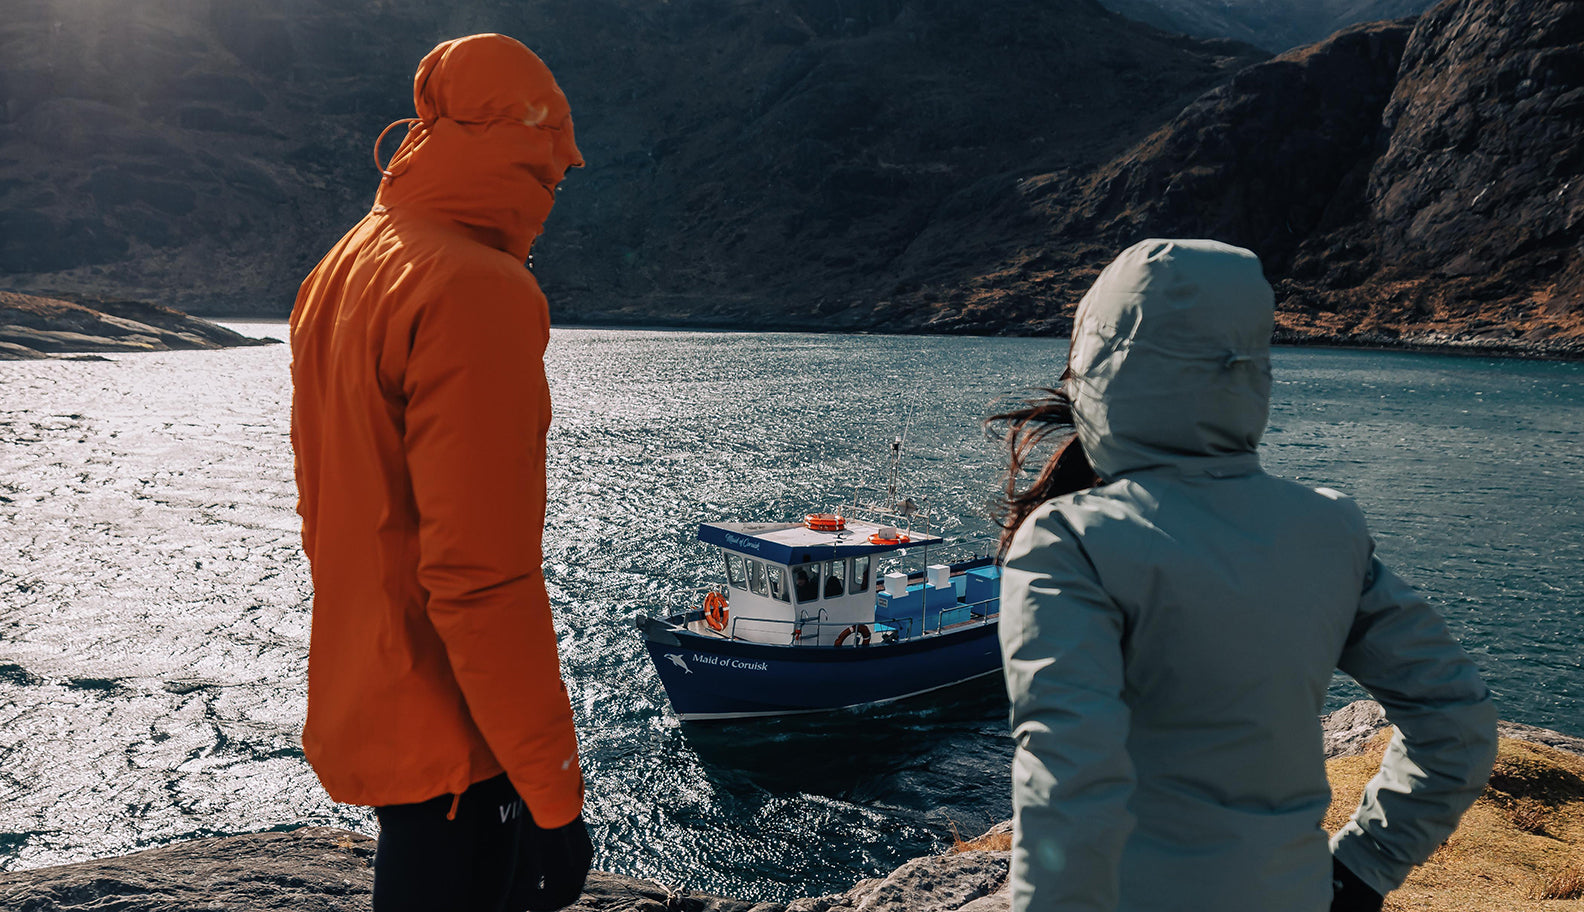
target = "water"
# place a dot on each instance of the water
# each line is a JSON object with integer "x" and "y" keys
{"x": 154, "y": 603}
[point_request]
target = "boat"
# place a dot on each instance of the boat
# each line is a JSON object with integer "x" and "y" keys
{"x": 827, "y": 613}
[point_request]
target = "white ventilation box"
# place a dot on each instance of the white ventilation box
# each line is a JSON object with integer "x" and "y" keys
{"x": 896, "y": 584}
{"x": 939, "y": 576}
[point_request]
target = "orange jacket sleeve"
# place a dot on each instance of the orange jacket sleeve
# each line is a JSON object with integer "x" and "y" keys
{"x": 477, "y": 411}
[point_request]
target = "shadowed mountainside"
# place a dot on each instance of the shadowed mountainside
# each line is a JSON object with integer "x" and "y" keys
{"x": 1276, "y": 25}
{"x": 749, "y": 161}
{"x": 902, "y": 165}
{"x": 1404, "y": 183}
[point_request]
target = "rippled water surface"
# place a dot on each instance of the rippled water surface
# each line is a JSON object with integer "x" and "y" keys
{"x": 154, "y": 604}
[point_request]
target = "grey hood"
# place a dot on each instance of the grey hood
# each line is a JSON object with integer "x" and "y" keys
{"x": 1199, "y": 314}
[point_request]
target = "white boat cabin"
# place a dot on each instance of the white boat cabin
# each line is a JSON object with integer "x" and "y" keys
{"x": 790, "y": 584}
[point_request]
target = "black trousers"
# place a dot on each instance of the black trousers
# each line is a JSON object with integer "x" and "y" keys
{"x": 478, "y": 862}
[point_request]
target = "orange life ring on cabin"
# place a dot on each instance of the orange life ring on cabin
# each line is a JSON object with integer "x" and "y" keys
{"x": 825, "y": 522}
{"x": 862, "y": 638}
{"x": 875, "y": 539}
{"x": 715, "y": 611}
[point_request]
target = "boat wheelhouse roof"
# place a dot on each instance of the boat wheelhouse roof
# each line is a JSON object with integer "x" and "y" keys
{"x": 795, "y": 543}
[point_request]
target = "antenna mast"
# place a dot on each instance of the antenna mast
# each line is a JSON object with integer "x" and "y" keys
{"x": 892, "y": 475}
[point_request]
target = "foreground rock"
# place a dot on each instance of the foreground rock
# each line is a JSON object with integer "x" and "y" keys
{"x": 33, "y": 327}
{"x": 963, "y": 881}
{"x": 1518, "y": 843}
{"x": 309, "y": 870}
{"x": 1352, "y": 730}
{"x": 319, "y": 869}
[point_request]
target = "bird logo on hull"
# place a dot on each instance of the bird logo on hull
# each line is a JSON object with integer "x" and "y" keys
{"x": 677, "y": 661}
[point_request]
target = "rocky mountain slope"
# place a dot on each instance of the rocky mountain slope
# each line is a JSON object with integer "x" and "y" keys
{"x": 1515, "y": 849}
{"x": 1404, "y": 183}
{"x": 1276, "y": 25}
{"x": 905, "y": 165}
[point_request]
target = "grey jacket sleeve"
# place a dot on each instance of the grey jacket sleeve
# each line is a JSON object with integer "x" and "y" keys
{"x": 1400, "y": 650}
{"x": 1061, "y": 642}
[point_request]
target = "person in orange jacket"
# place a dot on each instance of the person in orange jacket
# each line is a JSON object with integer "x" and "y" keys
{"x": 419, "y": 413}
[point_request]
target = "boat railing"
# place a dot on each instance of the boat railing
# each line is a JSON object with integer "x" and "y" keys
{"x": 882, "y": 506}
{"x": 695, "y": 611}
{"x": 908, "y": 523}
{"x": 979, "y": 613}
{"x": 988, "y": 546}
{"x": 794, "y": 628}
{"x": 971, "y": 552}
{"x": 808, "y": 631}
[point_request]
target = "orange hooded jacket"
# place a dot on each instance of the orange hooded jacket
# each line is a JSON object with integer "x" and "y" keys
{"x": 419, "y": 413}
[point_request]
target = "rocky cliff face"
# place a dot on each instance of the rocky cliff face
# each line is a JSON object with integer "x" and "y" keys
{"x": 1279, "y": 153}
{"x": 1404, "y": 183}
{"x": 908, "y": 165}
{"x": 1477, "y": 201}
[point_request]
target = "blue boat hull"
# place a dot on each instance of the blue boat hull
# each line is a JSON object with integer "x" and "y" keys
{"x": 711, "y": 678}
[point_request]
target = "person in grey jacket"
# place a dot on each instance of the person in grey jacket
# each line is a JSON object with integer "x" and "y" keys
{"x": 1171, "y": 621}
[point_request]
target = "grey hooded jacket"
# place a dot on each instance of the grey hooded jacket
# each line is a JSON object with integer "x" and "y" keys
{"x": 1170, "y": 635}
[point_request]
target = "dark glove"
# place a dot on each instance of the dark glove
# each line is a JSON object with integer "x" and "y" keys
{"x": 1349, "y": 894}
{"x": 553, "y": 866}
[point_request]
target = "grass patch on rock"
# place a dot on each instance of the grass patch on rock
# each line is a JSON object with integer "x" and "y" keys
{"x": 997, "y": 840}
{"x": 1520, "y": 847}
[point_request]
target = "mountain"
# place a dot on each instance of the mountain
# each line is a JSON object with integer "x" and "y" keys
{"x": 1276, "y": 25}
{"x": 890, "y": 165}
{"x": 1404, "y": 183}
{"x": 206, "y": 152}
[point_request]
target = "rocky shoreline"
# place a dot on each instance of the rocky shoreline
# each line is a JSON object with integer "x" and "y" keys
{"x": 1440, "y": 344}
{"x": 319, "y": 869}
{"x": 1499, "y": 345}
{"x": 33, "y": 328}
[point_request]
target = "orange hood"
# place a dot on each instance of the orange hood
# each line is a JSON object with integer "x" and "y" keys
{"x": 492, "y": 139}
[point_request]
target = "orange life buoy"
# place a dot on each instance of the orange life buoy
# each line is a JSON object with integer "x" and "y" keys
{"x": 875, "y": 539}
{"x": 715, "y": 611}
{"x": 825, "y": 522}
{"x": 861, "y": 639}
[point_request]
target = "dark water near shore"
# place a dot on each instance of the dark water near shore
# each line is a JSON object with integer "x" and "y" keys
{"x": 154, "y": 603}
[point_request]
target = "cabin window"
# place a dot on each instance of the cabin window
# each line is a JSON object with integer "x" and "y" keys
{"x": 736, "y": 573}
{"x": 835, "y": 578}
{"x": 860, "y": 574}
{"x": 805, "y": 582}
{"x": 756, "y": 577}
{"x": 778, "y": 587}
